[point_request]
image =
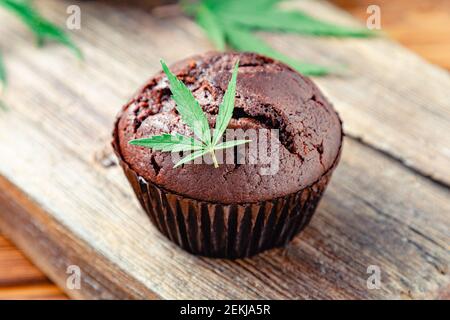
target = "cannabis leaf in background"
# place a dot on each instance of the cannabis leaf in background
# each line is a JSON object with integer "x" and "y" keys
{"x": 2, "y": 80}
{"x": 41, "y": 27}
{"x": 232, "y": 23}
{"x": 2, "y": 70}
{"x": 192, "y": 115}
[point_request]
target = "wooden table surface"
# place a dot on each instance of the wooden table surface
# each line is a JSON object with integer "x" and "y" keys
{"x": 422, "y": 26}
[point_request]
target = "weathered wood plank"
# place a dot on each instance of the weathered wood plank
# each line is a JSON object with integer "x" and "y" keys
{"x": 78, "y": 212}
{"x": 407, "y": 238}
{"x": 390, "y": 97}
{"x": 54, "y": 248}
{"x": 428, "y": 40}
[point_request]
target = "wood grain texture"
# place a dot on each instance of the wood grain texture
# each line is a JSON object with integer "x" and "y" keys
{"x": 15, "y": 268}
{"x": 45, "y": 291}
{"x": 382, "y": 99}
{"x": 422, "y": 26}
{"x": 19, "y": 279}
{"x": 63, "y": 206}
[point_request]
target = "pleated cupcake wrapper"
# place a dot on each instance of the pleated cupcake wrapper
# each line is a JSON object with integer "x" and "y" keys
{"x": 225, "y": 230}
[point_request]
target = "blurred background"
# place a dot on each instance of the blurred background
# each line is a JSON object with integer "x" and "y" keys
{"x": 422, "y": 26}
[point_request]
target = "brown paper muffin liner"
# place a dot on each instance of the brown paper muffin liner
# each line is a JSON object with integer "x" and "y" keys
{"x": 225, "y": 230}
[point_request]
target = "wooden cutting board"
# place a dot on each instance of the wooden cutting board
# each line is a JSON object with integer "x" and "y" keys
{"x": 65, "y": 202}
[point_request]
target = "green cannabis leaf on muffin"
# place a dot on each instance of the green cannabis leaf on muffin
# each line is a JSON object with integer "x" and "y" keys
{"x": 192, "y": 115}
{"x": 41, "y": 27}
{"x": 232, "y": 22}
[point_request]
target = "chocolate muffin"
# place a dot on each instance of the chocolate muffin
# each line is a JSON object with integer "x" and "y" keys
{"x": 243, "y": 207}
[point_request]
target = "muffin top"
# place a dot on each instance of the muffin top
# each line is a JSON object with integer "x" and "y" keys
{"x": 269, "y": 95}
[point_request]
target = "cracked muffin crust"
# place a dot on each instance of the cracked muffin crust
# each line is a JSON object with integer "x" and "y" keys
{"x": 269, "y": 94}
